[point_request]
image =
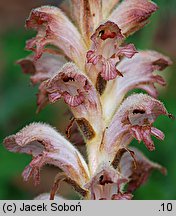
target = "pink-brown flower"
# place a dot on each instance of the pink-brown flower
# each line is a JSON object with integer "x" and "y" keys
{"x": 91, "y": 68}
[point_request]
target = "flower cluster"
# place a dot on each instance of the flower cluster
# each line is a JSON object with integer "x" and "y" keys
{"x": 80, "y": 56}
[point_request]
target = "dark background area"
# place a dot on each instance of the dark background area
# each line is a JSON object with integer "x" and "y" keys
{"x": 18, "y": 102}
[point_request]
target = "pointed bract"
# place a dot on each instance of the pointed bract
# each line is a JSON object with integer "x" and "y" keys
{"x": 139, "y": 172}
{"x": 87, "y": 14}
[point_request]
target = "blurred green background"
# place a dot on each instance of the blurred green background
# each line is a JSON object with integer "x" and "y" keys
{"x": 18, "y": 102}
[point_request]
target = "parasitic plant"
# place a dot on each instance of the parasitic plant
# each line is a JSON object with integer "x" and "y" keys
{"x": 80, "y": 56}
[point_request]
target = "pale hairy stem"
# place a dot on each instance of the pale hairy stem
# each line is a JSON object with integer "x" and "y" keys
{"x": 93, "y": 154}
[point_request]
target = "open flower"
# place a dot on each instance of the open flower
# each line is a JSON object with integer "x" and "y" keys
{"x": 47, "y": 146}
{"x": 92, "y": 70}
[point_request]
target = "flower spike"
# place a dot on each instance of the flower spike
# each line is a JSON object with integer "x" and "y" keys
{"x": 80, "y": 56}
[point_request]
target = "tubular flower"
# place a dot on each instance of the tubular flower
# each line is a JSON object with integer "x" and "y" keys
{"x": 92, "y": 70}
